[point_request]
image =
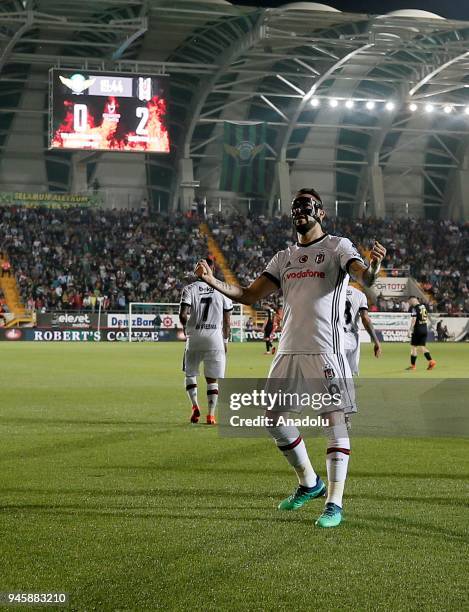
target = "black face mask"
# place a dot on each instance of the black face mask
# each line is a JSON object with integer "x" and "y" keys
{"x": 305, "y": 208}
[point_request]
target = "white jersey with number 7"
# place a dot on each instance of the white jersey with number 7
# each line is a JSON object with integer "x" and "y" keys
{"x": 204, "y": 329}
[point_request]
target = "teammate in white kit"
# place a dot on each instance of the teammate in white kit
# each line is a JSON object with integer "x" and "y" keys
{"x": 356, "y": 308}
{"x": 205, "y": 316}
{"x": 313, "y": 275}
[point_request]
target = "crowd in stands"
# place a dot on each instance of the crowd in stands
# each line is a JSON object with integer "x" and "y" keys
{"x": 436, "y": 253}
{"x": 71, "y": 258}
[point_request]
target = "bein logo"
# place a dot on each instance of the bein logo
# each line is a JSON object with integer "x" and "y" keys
{"x": 306, "y": 274}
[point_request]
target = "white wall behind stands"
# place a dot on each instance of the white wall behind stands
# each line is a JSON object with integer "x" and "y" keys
{"x": 122, "y": 179}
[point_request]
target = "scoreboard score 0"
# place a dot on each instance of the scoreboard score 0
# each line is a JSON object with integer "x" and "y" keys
{"x": 108, "y": 111}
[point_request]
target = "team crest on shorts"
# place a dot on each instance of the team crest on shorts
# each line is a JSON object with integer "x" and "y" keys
{"x": 303, "y": 259}
{"x": 329, "y": 372}
{"x": 319, "y": 258}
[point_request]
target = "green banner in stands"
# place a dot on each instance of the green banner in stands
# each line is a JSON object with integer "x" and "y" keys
{"x": 243, "y": 168}
{"x": 52, "y": 200}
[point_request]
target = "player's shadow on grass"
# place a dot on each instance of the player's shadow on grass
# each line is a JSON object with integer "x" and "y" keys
{"x": 97, "y": 440}
{"x": 208, "y": 469}
{"x": 272, "y": 471}
{"x": 417, "y": 475}
{"x": 439, "y": 501}
{"x": 40, "y": 421}
{"x": 402, "y": 525}
{"x": 191, "y": 495}
{"x": 139, "y": 512}
{"x": 271, "y": 516}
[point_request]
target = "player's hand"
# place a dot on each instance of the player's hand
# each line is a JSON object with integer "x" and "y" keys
{"x": 377, "y": 349}
{"x": 377, "y": 254}
{"x": 203, "y": 271}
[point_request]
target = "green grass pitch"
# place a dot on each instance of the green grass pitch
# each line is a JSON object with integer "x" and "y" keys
{"x": 109, "y": 494}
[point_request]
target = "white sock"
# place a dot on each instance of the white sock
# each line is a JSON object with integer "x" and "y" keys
{"x": 191, "y": 388}
{"x": 337, "y": 458}
{"x": 290, "y": 442}
{"x": 212, "y": 397}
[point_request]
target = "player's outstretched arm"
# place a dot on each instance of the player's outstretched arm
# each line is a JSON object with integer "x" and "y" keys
{"x": 368, "y": 325}
{"x": 364, "y": 275}
{"x": 257, "y": 290}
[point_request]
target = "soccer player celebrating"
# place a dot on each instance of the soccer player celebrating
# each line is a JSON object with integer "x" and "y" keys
{"x": 205, "y": 317}
{"x": 313, "y": 275}
{"x": 356, "y": 307}
{"x": 418, "y": 332}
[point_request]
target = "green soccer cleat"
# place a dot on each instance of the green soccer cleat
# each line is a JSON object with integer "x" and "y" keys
{"x": 303, "y": 495}
{"x": 331, "y": 517}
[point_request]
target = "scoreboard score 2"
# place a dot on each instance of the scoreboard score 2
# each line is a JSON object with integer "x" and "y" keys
{"x": 108, "y": 111}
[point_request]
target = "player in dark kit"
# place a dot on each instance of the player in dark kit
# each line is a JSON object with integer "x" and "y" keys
{"x": 268, "y": 334}
{"x": 418, "y": 333}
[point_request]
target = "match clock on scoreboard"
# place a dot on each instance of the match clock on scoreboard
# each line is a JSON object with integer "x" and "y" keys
{"x": 108, "y": 111}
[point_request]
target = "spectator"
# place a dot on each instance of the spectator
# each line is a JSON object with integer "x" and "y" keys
{"x": 442, "y": 331}
{"x": 6, "y": 268}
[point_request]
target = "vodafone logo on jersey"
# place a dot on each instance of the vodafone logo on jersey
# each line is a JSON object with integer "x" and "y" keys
{"x": 306, "y": 274}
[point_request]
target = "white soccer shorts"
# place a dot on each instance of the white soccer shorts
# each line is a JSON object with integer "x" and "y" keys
{"x": 314, "y": 374}
{"x": 214, "y": 363}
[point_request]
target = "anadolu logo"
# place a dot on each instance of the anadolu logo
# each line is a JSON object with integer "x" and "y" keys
{"x": 306, "y": 274}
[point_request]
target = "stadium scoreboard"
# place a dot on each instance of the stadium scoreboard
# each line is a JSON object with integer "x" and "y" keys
{"x": 108, "y": 111}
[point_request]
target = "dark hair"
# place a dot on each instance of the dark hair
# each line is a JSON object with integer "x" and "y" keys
{"x": 312, "y": 192}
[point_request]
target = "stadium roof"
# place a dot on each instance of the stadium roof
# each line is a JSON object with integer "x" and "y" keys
{"x": 248, "y": 64}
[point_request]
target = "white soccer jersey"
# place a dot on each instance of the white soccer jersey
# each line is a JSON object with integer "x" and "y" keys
{"x": 354, "y": 303}
{"x": 313, "y": 279}
{"x": 204, "y": 329}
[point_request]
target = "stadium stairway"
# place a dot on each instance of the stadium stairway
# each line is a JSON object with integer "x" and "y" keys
{"x": 13, "y": 300}
{"x": 215, "y": 250}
